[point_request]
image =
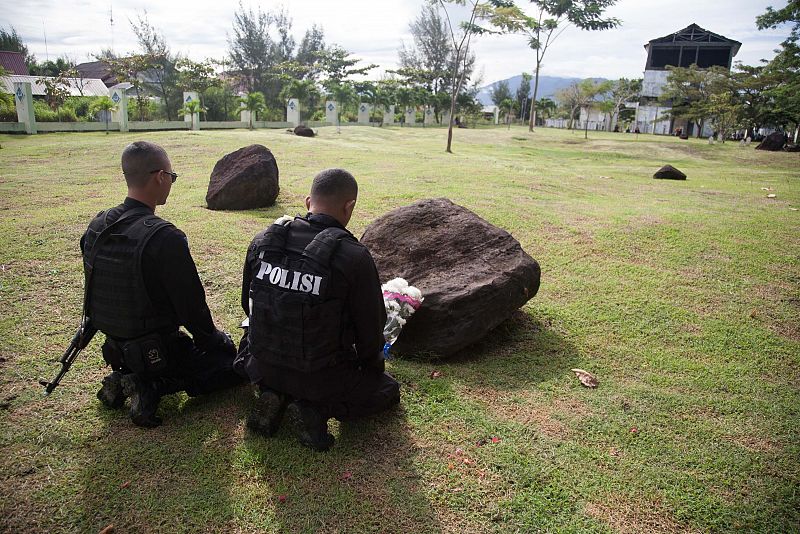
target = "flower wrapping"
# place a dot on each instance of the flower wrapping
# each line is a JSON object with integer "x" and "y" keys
{"x": 401, "y": 301}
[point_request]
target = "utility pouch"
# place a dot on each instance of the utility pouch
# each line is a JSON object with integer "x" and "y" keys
{"x": 145, "y": 355}
{"x": 112, "y": 354}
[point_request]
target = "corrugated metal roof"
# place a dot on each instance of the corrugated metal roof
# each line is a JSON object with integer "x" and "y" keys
{"x": 13, "y": 62}
{"x": 90, "y": 86}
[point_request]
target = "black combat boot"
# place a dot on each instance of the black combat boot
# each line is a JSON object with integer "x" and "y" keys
{"x": 266, "y": 416}
{"x": 144, "y": 400}
{"x": 310, "y": 426}
{"x": 111, "y": 394}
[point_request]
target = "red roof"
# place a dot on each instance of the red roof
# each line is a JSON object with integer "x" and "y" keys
{"x": 13, "y": 62}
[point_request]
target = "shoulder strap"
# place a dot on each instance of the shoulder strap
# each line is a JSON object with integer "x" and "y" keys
{"x": 324, "y": 244}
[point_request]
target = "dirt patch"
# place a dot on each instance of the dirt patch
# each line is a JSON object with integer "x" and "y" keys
{"x": 634, "y": 517}
{"x": 533, "y": 410}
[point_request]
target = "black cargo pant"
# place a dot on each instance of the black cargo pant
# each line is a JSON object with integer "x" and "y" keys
{"x": 188, "y": 368}
{"x": 371, "y": 393}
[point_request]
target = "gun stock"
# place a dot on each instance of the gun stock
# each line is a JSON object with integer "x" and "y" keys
{"x": 82, "y": 337}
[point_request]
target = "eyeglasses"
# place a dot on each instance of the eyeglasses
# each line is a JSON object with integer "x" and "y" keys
{"x": 173, "y": 174}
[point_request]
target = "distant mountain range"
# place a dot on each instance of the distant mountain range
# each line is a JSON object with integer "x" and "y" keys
{"x": 548, "y": 85}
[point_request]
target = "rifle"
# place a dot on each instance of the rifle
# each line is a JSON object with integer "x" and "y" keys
{"x": 82, "y": 337}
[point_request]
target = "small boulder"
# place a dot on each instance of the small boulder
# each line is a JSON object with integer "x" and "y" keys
{"x": 472, "y": 274}
{"x": 773, "y": 142}
{"x": 245, "y": 179}
{"x": 303, "y": 131}
{"x": 668, "y": 172}
{"x": 791, "y": 148}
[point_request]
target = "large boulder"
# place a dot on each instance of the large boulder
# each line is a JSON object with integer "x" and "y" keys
{"x": 245, "y": 179}
{"x": 773, "y": 142}
{"x": 473, "y": 275}
{"x": 303, "y": 131}
{"x": 668, "y": 172}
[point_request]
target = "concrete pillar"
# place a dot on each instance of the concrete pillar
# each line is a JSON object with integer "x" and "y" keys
{"x": 446, "y": 117}
{"x": 496, "y": 115}
{"x": 120, "y": 115}
{"x": 330, "y": 111}
{"x": 244, "y": 115}
{"x": 293, "y": 111}
{"x": 23, "y": 99}
{"x": 192, "y": 96}
{"x": 411, "y": 115}
{"x": 364, "y": 110}
{"x": 388, "y": 115}
{"x": 430, "y": 116}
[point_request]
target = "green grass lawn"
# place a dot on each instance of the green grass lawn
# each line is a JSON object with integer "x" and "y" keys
{"x": 681, "y": 297}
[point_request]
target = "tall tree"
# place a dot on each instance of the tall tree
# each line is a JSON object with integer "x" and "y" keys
{"x": 431, "y": 51}
{"x": 308, "y": 52}
{"x": 197, "y": 76}
{"x": 523, "y": 94}
{"x": 621, "y": 91}
{"x": 498, "y": 16}
{"x": 500, "y": 92}
{"x": 551, "y": 18}
{"x": 250, "y": 46}
{"x": 688, "y": 91}
{"x": 161, "y": 76}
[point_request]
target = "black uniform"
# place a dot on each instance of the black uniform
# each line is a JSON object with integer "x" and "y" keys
{"x": 316, "y": 312}
{"x": 153, "y": 290}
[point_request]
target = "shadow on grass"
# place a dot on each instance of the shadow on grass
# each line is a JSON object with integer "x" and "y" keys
{"x": 523, "y": 351}
{"x": 368, "y": 482}
{"x": 175, "y": 478}
{"x": 202, "y": 471}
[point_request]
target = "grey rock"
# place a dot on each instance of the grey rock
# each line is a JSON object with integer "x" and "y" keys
{"x": 668, "y": 172}
{"x": 245, "y": 179}
{"x": 472, "y": 274}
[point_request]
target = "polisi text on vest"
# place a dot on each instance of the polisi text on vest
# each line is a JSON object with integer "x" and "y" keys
{"x": 293, "y": 280}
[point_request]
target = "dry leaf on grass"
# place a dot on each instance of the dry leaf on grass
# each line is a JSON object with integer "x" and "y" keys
{"x": 772, "y": 195}
{"x": 436, "y": 374}
{"x": 586, "y": 378}
{"x": 125, "y": 484}
{"x": 108, "y": 530}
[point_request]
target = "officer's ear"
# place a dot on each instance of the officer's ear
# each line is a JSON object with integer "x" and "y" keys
{"x": 308, "y": 203}
{"x": 349, "y": 206}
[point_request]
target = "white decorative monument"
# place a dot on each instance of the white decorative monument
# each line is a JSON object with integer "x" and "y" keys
{"x": 23, "y": 99}
{"x": 293, "y": 111}
{"x": 364, "y": 110}
{"x": 388, "y": 115}
{"x": 193, "y": 118}
{"x": 446, "y": 117}
{"x": 411, "y": 115}
{"x": 430, "y": 116}
{"x": 330, "y": 111}
{"x": 120, "y": 112}
{"x": 496, "y": 115}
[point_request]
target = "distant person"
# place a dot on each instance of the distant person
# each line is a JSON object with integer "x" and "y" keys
{"x": 142, "y": 286}
{"x": 316, "y": 317}
{"x": 636, "y": 130}
{"x": 616, "y": 128}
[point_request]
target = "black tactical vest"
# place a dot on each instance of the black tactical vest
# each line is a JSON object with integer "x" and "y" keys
{"x": 117, "y": 301}
{"x": 295, "y": 321}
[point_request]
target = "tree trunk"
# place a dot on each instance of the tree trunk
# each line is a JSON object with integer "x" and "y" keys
{"x": 532, "y": 122}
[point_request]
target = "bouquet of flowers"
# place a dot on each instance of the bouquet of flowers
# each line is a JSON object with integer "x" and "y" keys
{"x": 401, "y": 301}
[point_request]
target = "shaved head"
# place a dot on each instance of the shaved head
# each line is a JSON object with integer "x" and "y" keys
{"x": 334, "y": 186}
{"x": 139, "y": 159}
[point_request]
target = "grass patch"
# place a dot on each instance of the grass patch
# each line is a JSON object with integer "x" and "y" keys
{"x": 682, "y": 297}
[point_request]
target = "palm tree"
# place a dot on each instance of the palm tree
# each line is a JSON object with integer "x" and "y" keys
{"x": 104, "y": 104}
{"x": 405, "y": 97}
{"x": 191, "y": 108}
{"x": 254, "y": 103}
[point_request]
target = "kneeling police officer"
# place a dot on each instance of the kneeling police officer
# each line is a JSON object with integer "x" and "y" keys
{"x": 142, "y": 285}
{"x": 316, "y": 317}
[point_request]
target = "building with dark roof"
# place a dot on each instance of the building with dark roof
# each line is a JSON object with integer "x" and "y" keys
{"x": 99, "y": 70}
{"x": 13, "y": 62}
{"x": 692, "y": 45}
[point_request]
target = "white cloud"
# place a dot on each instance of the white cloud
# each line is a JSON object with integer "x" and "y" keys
{"x": 373, "y": 30}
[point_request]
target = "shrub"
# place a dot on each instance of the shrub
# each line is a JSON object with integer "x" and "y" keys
{"x": 66, "y": 114}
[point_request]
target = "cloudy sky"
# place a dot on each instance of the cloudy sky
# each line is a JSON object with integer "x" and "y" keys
{"x": 374, "y": 29}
